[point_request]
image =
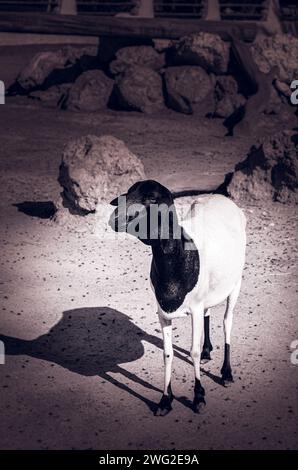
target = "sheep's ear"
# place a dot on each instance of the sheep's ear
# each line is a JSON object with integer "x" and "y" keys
{"x": 114, "y": 202}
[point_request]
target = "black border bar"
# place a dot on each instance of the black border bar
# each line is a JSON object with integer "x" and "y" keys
{"x": 141, "y": 459}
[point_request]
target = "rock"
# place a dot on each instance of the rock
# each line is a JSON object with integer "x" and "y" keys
{"x": 90, "y": 92}
{"x": 54, "y": 96}
{"x": 204, "y": 49}
{"x": 189, "y": 90}
{"x": 275, "y": 103}
{"x": 140, "y": 89}
{"x": 44, "y": 63}
{"x": 228, "y": 105}
{"x": 283, "y": 88}
{"x": 95, "y": 170}
{"x": 280, "y": 50}
{"x": 270, "y": 172}
{"x": 109, "y": 45}
{"x": 227, "y": 98}
{"x": 144, "y": 56}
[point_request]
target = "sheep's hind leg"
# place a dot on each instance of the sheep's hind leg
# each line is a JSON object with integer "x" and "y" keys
{"x": 207, "y": 346}
{"x": 226, "y": 370}
{"x": 197, "y": 330}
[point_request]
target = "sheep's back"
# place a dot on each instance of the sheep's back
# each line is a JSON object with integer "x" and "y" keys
{"x": 217, "y": 226}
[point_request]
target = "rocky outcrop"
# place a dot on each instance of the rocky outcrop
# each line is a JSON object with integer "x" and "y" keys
{"x": 144, "y": 56}
{"x": 189, "y": 75}
{"x": 90, "y": 92}
{"x": 140, "y": 89}
{"x": 189, "y": 89}
{"x": 96, "y": 169}
{"x": 204, "y": 49}
{"x": 270, "y": 172}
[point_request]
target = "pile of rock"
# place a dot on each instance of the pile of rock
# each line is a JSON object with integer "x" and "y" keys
{"x": 270, "y": 172}
{"x": 191, "y": 75}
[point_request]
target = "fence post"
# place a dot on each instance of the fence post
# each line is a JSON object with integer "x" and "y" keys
{"x": 68, "y": 7}
{"x": 2, "y": 353}
{"x": 146, "y": 9}
{"x": 2, "y": 92}
{"x": 272, "y": 22}
{"x": 213, "y": 10}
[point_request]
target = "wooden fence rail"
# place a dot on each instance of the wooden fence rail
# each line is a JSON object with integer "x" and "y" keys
{"x": 169, "y": 28}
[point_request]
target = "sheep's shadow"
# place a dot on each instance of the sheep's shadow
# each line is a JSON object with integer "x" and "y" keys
{"x": 93, "y": 341}
{"x": 40, "y": 209}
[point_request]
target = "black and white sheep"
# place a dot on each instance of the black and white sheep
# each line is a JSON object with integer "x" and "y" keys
{"x": 196, "y": 265}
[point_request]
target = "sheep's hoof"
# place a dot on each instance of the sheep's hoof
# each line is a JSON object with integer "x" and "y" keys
{"x": 226, "y": 382}
{"x": 226, "y": 378}
{"x": 165, "y": 405}
{"x": 199, "y": 405}
{"x": 205, "y": 355}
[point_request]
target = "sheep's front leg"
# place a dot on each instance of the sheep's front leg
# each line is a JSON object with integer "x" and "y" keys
{"x": 165, "y": 404}
{"x": 197, "y": 330}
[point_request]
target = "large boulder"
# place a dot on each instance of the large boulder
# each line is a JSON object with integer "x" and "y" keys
{"x": 140, "y": 89}
{"x": 227, "y": 98}
{"x": 280, "y": 50}
{"x": 189, "y": 90}
{"x": 204, "y": 49}
{"x": 43, "y": 64}
{"x": 144, "y": 56}
{"x": 96, "y": 169}
{"x": 270, "y": 172}
{"x": 90, "y": 92}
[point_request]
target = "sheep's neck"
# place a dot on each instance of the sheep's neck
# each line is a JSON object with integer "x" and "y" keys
{"x": 174, "y": 272}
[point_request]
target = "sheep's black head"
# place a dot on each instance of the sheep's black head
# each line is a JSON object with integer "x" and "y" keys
{"x": 146, "y": 211}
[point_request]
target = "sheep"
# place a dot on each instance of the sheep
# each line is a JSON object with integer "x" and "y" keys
{"x": 196, "y": 265}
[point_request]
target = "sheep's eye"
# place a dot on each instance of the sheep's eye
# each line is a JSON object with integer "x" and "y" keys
{"x": 152, "y": 199}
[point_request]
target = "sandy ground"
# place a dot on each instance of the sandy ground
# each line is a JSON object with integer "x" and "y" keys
{"x": 87, "y": 366}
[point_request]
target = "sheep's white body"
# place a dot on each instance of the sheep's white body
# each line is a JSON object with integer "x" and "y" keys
{"x": 217, "y": 227}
